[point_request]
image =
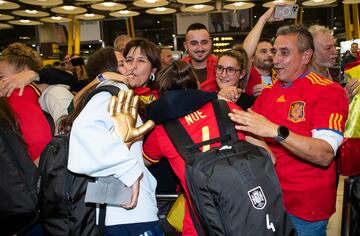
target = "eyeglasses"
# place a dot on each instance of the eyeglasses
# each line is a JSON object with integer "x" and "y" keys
{"x": 229, "y": 70}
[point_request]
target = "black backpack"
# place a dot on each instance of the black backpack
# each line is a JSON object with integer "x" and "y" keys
{"x": 18, "y": 184}
{"x": 233, "y": 189}
{"x": 62, "y": 207}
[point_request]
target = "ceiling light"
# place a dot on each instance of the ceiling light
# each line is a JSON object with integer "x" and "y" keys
{"x": 238, "y": 4}
{"x": 160, "y": 9}
{"x": 108, "y": 4}
{"x": 24, "y": 21}
{"x": 31, "y": 11}
{"x": 124, "y": 13}
{"x": 192, "y": 1}
{"x": 45, "y": 3}
{"x": 89, "y": 14}
{"x": 56, "y": 17}
{"x": 69, "y": 8}
{"x": 2, "y": 2}
{"x": 199, "y": 6}
{"x": 150, "y": 3}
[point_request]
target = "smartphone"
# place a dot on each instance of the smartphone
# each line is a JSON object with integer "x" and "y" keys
{"x": 77, "y": 61}
{"x": 286, "y": 11}
{"x": 266, "y": 80}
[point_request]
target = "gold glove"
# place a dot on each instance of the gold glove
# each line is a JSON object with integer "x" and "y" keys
{"x": 124, "y": 112}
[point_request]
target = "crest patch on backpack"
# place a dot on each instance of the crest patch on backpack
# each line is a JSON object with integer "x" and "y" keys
{"x": 257, "y": 198}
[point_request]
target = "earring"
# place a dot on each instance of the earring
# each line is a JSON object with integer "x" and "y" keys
{"x": 152, "y": 77}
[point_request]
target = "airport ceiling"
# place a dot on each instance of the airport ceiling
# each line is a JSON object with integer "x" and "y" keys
{"x": 17, "y": 15}
{"x": 37, "y": 10}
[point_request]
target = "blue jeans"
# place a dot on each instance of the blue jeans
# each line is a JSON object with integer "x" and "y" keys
{"x": 309, "y": 228}
{"x": 136, "y": 229}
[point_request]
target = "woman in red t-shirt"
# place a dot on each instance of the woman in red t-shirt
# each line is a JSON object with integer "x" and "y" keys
{"x": 31, "y": 120}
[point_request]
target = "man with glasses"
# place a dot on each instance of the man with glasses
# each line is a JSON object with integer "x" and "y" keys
{"x": 198, "y": 45}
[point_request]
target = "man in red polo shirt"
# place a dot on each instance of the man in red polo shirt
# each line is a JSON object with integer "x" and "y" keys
{"x": 198, "y": 45}
{"x": 302, "y": 118}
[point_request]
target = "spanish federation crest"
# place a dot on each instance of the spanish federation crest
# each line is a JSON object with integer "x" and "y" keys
{"x": 297, "y": 111}
{"x": 257, "y": 198}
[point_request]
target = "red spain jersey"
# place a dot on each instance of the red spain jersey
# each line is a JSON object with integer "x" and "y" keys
{"x": 32, "y": 122}
{"x": 309, "y": 103}
{"x": 201, "y": 126}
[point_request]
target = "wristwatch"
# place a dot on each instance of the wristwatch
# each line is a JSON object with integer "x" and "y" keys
{"x": 283, "y": 133}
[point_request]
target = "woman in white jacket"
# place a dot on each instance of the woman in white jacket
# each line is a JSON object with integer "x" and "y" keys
{"x": 95, "y": 151}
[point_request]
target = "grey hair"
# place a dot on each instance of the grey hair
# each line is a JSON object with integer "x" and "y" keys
{"x": 305, "y": 39}
{"x": 121, "y": 37}
{"x": 316, "y": 29}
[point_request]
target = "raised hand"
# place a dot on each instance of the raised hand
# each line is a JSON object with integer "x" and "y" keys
{"x": 352, "y": 88}
{"x": 17, "y": 81}
{"x": 124, "y": 112}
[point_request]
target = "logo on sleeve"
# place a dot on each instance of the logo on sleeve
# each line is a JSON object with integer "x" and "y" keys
{"x": 297, "y": 111}
{"x": 257, "y": 198}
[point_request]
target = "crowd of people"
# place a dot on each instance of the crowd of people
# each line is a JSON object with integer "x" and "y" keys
{"x": 280, "y": 94}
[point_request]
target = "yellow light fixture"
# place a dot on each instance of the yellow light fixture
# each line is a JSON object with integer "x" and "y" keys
{"x": 30, "y": 13}
{"x": 239, "y": 6}
{"x": 6, "y": 17}
{"x": 198, "y": 8}
{"x": 318, "y": 2}
{"x": 5, "y": 26}
{"x": 193, "y": 1}
{"x": 150, "y": 3}
{"x": 6, "y": 5}
{"x": 25, "y": 22}
{"x": 68, "y": 9}
{"x": 351, "y": 2}
{"x": 42, "y": 2}
{"x": 124, "y": 13}
{"x": 160, "y": 11}
{"x": 108, "y": 6}
{"x": 56, "y": 19}
{"x": 90, "y": 16}
{"x": 283, "y": 2}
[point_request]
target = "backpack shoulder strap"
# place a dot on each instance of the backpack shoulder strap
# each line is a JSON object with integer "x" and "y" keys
{"x": 113, "y": 90}
{"x": 225, "y": 125}
{"x": 179, "y": 137}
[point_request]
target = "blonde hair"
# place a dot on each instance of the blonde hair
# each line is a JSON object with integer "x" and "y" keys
{"x": 22, "y": 56}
